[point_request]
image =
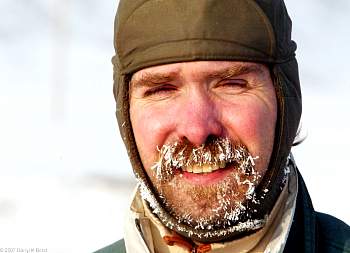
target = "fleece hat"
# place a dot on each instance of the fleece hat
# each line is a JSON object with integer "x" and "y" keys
{"x": 154, "y": 32}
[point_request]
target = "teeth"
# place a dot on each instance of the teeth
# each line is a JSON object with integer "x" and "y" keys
{"x": 205, "y": 168}
{"x": 222, "y": 165}
{"x": 216, "y": 167}
{"x": 197, "y": 169}
{"x": 189, "y": 168}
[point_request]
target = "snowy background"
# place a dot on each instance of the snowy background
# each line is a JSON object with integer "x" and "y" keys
{"x": 65, "y": 179}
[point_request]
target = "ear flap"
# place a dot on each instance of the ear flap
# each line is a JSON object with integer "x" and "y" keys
{"x": 287, "y": 87}
{"x": 121, "y": 94}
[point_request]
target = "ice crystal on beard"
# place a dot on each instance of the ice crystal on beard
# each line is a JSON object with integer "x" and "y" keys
{"x": 250, "y": 224}
{"x": 286, "y": 171}
{"x": 170, "y": 159}
{"x": 231, "y": 216}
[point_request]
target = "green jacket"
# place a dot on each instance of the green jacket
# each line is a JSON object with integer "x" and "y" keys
{"x": 311, "y": 231}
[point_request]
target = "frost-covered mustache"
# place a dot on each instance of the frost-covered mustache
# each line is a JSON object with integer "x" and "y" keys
{"x": 216, "y": 153}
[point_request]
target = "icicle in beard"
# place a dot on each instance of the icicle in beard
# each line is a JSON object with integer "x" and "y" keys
{"x": 211, "y": 206}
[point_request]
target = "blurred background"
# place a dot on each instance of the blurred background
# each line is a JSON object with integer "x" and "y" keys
{"x": 65, "y": 179}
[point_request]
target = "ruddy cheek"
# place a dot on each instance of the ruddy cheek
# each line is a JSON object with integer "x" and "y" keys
{"x": 151, "y": 128}
{"x": 257, "y": 126}
{"x": 247, "y": 123}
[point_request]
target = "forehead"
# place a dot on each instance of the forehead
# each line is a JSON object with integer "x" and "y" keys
{"x": 200, "y": 69}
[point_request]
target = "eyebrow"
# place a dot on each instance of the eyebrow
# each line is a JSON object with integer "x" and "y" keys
{"x": 236, "y": 71}
{"x": 152, "y": 79}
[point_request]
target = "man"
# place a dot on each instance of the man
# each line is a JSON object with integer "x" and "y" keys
{"x": 208, "y": 105}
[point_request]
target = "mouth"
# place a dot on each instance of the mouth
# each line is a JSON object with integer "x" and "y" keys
{"x": 205, "y": 164}
{"x": 204, "y": 168}
{"x": 206, "y": 174}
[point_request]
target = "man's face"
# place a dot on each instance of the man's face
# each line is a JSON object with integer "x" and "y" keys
{"x": 194, "y": 103}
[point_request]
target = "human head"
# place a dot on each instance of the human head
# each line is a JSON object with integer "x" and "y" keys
{"x": 185, "y": 31}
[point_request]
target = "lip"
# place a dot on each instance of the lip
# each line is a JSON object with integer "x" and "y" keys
{"x": 207, "y": 178}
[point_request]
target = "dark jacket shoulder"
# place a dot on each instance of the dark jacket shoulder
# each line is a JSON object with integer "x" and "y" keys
{"x": 117, "y": 247}
{"x": 333, "y": 234}
{"x": 314, "y": 232}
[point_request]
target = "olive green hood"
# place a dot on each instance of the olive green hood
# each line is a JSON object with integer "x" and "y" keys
{"x": 154, "y": 32}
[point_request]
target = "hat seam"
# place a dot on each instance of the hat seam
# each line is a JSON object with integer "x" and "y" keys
{"x": 269, "y": 27}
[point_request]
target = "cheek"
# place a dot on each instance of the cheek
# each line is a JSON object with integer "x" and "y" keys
{"x": 253, "y": 124}
{"x": 150, "y": 127}
{"x": 257, "y": 123}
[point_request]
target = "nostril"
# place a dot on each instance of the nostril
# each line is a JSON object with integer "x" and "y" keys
{"x": 198, "y": 134}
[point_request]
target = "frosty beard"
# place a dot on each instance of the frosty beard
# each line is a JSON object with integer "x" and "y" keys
{"x": 211, "y": 206}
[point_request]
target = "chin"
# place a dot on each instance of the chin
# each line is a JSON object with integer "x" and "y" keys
{"x": 205, "y": 206}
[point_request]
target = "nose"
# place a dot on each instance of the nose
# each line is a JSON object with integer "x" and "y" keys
{"x": 198, "y": 118}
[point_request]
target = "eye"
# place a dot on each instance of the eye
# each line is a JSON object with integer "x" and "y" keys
{"x": 232, "y": 85}
{"x": 234, "y": 82}
{"x": 160, "y": 90}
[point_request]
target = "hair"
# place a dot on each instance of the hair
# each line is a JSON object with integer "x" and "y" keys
{"x": 299, "y": 137}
